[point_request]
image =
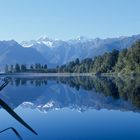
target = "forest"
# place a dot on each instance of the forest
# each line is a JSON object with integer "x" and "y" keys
{"x": 124, "y": 62}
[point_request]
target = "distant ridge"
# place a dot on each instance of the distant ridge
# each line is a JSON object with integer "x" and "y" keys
{"x": 58, "y": 52}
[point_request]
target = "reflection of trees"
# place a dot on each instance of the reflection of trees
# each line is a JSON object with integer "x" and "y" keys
{"x": 107, "y": 86}
{"x": 24, "y": 81}
{"x": 127, "y": 88}
{"x": 17, "y": 82}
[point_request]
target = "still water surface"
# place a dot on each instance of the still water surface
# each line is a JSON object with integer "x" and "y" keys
{"x": 71, "y": 108}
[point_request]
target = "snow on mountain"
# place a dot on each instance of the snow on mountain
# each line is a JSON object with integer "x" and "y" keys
{"x": 46, "y": 41}
{"x": 63, "y": 96}
{"x": 59, "y": 52}
{"x": 41, "y": 40}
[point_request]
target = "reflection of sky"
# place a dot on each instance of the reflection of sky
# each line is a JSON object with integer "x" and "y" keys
{"x": 71, "y": 124}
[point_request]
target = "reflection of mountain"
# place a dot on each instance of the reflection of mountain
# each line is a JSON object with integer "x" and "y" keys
{"x": 79, "y": 93}
{"x": 9, "y": 110}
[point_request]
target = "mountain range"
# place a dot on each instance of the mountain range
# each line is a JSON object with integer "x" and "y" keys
{"x": 58, "y": 52}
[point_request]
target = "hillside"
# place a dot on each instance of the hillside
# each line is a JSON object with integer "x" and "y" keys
{"x": 11, "y": 53}
{"x": 57, "y": 52}
{"x": 126, "y": 61}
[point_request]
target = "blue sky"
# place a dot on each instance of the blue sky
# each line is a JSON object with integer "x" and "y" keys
{"x": 66, "y": 19}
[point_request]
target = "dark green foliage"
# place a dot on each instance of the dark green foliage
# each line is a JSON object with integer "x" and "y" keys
{"x": 32, "y": 67}
{"x": 125, "y": 62}
{"x": 6, "y": 69}
{"x": 23, "y": 68}
{"x": 12, "y": 68}
{"x": 77, "y": 67}
{"x": 129, "y": 60}
{"x": 45, "y": 66}
{"x": 77, "y": 61}
{"x": 100, "y": 64}
{"x": 17, "y": 68}
{"x": 121, "y": 60}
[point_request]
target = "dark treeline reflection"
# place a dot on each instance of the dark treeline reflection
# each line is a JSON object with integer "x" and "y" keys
{"x": 126, "y": 88}
{"x": 25, "y": 81}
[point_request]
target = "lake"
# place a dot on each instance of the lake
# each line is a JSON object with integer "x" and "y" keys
{"x": 70, "y": 108}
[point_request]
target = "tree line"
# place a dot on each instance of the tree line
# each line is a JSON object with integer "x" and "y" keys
{"x": 125, "y": 61}
{"x": 24, "y": 68}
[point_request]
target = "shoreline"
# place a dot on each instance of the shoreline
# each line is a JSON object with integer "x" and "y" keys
{"x": 44, "y": 74}
{"x": 64, "y": 74}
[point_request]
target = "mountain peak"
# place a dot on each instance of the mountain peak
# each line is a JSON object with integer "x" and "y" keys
{"x": 43, "y": 38}
{"x": 81, "y": 38}
{"x": 60, "y": 52}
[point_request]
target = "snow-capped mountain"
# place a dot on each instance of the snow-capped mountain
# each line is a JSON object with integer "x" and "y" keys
{"x": 58, "y": 52}
{"x": 44, "y": 41}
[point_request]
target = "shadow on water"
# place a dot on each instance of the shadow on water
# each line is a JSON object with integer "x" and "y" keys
{"x": 13, "y": 114}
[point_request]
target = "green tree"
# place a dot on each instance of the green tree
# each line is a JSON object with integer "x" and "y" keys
{"x": 17, "y": 68}
{"x": 77, "y": 61}
{"x": 12, "y": 68}
{"x": 6, "y": 68}
{"x": 23, "y": 68}
{"x": 32, "y": 67}
{"x": 45, "y": 66}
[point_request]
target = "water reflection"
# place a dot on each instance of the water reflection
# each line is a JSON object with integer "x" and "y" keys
{"x": 5, "y": 106}
{"x": 74, "y": 93}
{"x": 14, "y": 130}
{"x": 81, "y": 93}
